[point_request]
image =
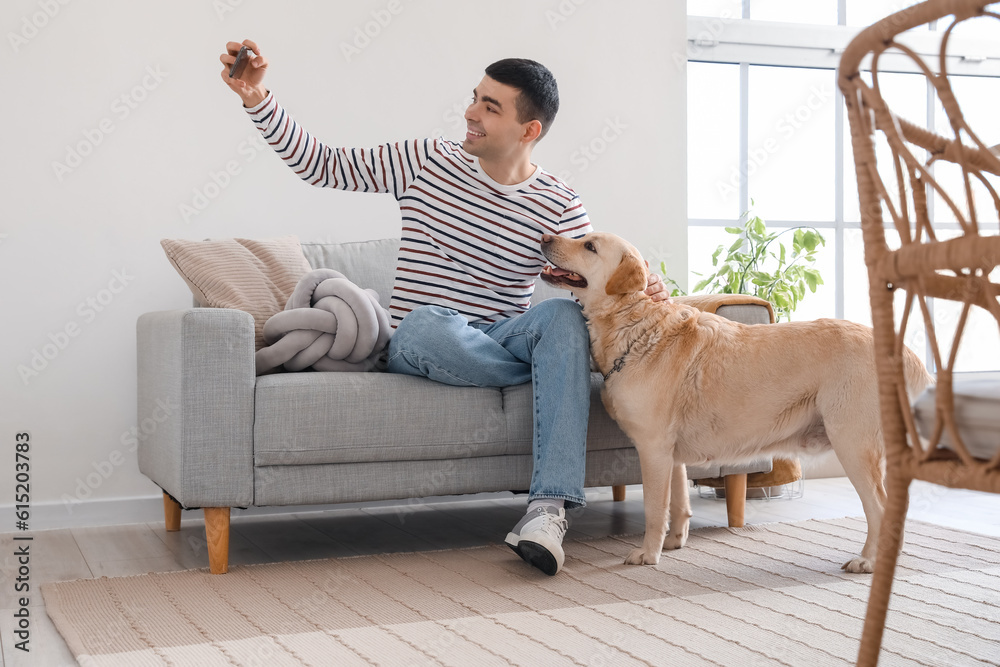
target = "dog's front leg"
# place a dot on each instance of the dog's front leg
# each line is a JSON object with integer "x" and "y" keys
{"x": 680, "y": 509}
{"x": 656, "y": 459}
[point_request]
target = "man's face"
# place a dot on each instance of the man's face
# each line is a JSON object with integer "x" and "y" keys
{"x": 492, "y": 128}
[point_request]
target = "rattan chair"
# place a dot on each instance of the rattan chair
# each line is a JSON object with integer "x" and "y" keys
{"x": 927, "y": 265}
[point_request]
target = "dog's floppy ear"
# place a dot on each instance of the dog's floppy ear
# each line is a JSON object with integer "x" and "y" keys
{"x": 630, "y": 276}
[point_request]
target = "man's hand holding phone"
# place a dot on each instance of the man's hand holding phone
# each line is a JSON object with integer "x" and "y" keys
{"x": 243, "y": 71}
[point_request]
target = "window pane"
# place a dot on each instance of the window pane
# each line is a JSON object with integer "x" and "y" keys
{"x": 791, "y": 130}
{"x": 977, "y": 97}
{"x": 866, "y": 12}
{"x": 978, "y": 28}
{"x": 817, "y": 12}
{"x": 857, "y": 305}
{"x": 906, "y": 95}
{"x": 979, "y": 349}
{"x": 857, "y": 302}
{"x": 713, "y": 140}
{"x": 727, "y": 9}
{"x": 980, "y": 346}
{"x": 702, "y": 242}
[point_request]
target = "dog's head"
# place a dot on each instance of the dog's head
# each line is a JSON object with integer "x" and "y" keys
{"x": 593, "y": 266}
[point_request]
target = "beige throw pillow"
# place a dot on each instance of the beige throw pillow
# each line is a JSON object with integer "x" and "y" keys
{"x": 256, "y": 276}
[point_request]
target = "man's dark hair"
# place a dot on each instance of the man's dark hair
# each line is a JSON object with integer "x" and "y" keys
{"x": 539, "y": 95}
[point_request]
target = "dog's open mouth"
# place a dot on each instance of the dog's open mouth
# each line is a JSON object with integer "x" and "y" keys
{"x": 553, "y": 275}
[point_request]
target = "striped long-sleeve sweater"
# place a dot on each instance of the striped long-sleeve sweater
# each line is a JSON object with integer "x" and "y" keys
{"x": 468, "y": 243}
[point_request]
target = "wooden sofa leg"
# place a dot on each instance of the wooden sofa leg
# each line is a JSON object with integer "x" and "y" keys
{"x": 618, "y": 493}
{"x": 736, "y": 499}
{"x": 171, "y": 513}
{"x": 217, "y": 535}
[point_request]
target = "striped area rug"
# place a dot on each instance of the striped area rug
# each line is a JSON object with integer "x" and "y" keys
{"x": 772, "y": 594}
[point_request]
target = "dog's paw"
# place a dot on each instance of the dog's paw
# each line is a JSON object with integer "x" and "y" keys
{"x": 859, "y": 565}
{"x": 676, "y": 540}
{"x": 640, "y": 557}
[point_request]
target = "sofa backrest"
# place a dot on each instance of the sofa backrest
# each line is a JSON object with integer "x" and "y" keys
{"x": 367, "y": 264}
{"x": 371, "y": 265}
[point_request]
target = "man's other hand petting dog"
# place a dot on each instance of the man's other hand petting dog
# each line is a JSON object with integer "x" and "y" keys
{"x": 690, "y": 387}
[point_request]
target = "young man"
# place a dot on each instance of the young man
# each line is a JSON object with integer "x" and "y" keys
{"x": 473, "y": 216}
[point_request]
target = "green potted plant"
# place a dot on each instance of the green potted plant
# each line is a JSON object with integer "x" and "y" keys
{"x": 758, "y": 263}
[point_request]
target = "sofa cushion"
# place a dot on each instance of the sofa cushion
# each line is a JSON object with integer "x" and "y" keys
{"x": 977, "y": 412}
{"x": 256, "y": 276}
{"x": 316, "y": 418}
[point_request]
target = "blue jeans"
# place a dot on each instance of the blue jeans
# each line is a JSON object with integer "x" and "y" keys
{"x": 549, "y": 346}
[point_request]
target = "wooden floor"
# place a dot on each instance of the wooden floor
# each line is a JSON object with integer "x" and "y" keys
{"x": 60, "y": 555}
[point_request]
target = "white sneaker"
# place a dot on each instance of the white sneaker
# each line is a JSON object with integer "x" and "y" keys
{"x": 537, "y": 538}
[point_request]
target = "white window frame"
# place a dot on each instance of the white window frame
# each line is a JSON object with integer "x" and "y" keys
{"x": 746, "y": 42}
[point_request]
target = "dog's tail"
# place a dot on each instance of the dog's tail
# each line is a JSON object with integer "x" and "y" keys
{"x": 915, "y": 374}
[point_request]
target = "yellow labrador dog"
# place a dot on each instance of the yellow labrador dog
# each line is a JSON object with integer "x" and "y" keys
{"x": 690, "y": 387}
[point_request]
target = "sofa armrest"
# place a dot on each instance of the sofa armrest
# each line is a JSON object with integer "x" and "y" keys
{"x": 738, "y": 307}
{"x": 196, "y": 379}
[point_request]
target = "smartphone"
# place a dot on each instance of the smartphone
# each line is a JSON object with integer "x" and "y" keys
{"x": 242, "y": 60}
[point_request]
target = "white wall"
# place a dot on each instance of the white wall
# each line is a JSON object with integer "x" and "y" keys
{"x": 133, "y": 88}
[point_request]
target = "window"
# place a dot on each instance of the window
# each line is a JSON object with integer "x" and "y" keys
{"x": 766, "y": 123}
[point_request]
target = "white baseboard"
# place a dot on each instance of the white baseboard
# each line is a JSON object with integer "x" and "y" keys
{"x": 57, "y": 514}
{"x": 149, "y": 509}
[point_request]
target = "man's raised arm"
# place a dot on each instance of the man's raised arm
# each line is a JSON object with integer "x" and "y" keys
{"x": 387, "y": 168}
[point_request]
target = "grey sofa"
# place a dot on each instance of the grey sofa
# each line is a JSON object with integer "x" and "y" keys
{"x": 237, "y": 440}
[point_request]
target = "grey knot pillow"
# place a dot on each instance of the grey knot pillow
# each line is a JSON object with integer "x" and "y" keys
{"x": 328, "y": 324}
